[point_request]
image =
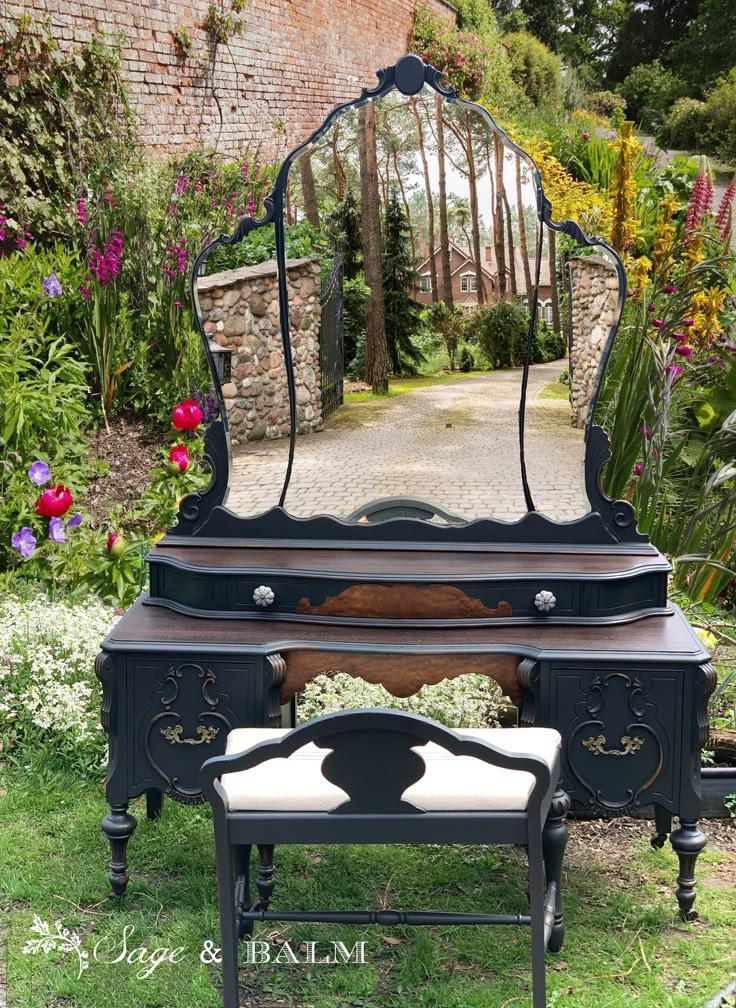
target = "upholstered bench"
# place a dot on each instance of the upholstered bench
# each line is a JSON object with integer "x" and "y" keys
{"x": 380, "y": 776}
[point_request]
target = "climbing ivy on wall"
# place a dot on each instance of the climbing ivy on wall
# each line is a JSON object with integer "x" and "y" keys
{"x": 64, "y": 122}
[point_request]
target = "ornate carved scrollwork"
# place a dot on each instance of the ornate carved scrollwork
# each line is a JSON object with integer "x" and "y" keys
{"x": 275, "y": 673}
{"x": 105, "y": 672}
{"x": 527, "y": 675}
{"x": 705, "y": 680}
{"x": 189, "y": 711}
{"x": 616, "y": 705}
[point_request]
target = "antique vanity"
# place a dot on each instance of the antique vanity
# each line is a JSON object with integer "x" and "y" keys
{"x": 570, "y": 616}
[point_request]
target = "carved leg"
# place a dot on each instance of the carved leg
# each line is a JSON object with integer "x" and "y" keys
{"x": 662, "y": 826}
{"x": 241, "y": 855}
{"x": 264, "y": 876}
{"x": 687, "y": 842}
{"x": 554, "y": 842}
{"x": 154, "y": 802}
{"x": 118, "y": 827}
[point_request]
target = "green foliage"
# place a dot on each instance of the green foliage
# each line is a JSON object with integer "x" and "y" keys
{"x": 501, "y": 332}
{"x": 402, "y": 313}
{"x": 650, "y": 90}
{"x": 544, "y": 18}
{"x": 64, "y": 118}
{"x": 707, "y": 50}
{"x": 344, "y": 229}
{"x": 688, "y": 126}
{"x": 355, "y": 295}
{"x": 535, "y": 70}
{"x": 604, "y": 103}
{"x": 448, "y": 324}
{"x": 466, "y": 360}
{"x": 301, "y": 241}
{"x": 547, "y": 345}
{"x": 708, "y": 126}
{"x": 223, "y": 24}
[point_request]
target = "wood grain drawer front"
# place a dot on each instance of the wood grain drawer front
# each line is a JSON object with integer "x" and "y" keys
{"x": 181, "y": 711}
{"x": 619, "y": 728}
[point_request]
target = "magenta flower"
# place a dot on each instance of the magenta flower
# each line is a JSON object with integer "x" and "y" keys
{"x": 680, "y": 337}
{"x": 198, "y": 186}
{"x": 724, "y": 217}
{"x": 24, "y": 541}
{"x": 645, "y": 431}
{"x": 689, "y": 322}
{"x": 673, "y": 372}
{"x": 684, "y": 351}
{"x": 81, "y": 211}
{"x": 39, "y": 474}
{"x": 636, "y": 471}
{"x": 657, "y": 323}
{"x": 75, "y": 521}
{"x": 701, "y": 199}
{"x": 650, "y": 308}
{"x": 51, "y": 286}
{"x": 669, "y": 289}
{"x": 585, "y": 136}
{"x": 56, "y": 531}
{"x": 85, "y": 292}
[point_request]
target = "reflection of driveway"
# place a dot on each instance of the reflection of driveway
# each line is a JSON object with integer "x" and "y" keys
{"x": 453, "y": 444}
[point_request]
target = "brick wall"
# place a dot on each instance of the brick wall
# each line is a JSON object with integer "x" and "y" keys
{"x": 272, "y": 85}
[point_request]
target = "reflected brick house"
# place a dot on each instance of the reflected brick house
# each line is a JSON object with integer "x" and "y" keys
{"x": 465, "y": 282}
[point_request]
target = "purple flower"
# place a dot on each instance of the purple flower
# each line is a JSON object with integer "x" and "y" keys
{"x": 680, "y": 337}
{"x": 657, "y": 323}
{"x": 689, "y": 322}
{"x": 684, "y": 351}
{"x": 39, "y": 474}
{"x": 650, "y": 307}
{"x": 673, "y": 371}
{"x": 51, "y": 286}
{"x": 75, "y": 521}
{"x": 56, "y": 531}
{"x": 669, "y": 289}
{"x": 636, "y": 471}
{"x": 645, "y": 431}
{"x": 85, "y": 291}
{"x": 585, "y": 136}
{"x": 24, "y": 541}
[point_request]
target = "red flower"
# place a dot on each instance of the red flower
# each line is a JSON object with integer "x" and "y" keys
{"x": 54, "y": 502}
{"x": 186, "y": 416}
{"x": 115, "y": 544}
{"x": 179, "y": 458}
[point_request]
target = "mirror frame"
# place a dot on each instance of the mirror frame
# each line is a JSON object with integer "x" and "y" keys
{"x": 203, "y": 514}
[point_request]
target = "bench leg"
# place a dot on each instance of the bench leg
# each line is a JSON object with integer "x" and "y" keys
{"x": 228, "y": 924}
{"x": 662, "y": 826}
{"x": 241, "y": 855}
{"x": 536, "y": 912}
{"x": 264, "y": 876}
{"x": 687, "y": 842}
{"x": 554, "y": 841}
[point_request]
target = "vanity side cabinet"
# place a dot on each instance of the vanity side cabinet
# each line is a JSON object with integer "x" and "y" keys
{"x": 621, "y": 727}
{"x": 166, "y": 714}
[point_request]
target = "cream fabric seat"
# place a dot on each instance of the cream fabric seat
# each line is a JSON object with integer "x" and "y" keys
{"x": 450, "y": 783}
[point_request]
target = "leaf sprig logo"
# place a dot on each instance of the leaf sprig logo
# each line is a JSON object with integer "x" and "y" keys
{"x": 61, "y": 940}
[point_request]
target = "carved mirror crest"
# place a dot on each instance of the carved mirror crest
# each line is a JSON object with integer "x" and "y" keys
{"x": 487, "y": 458}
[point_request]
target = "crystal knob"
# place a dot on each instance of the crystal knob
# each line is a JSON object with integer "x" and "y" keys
{"x": 263, "y": 596}
{"x": 544, "y": 601}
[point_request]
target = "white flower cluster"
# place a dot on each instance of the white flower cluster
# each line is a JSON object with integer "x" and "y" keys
{"x": 49, "y": 695}
{"x": 470, "y": 701}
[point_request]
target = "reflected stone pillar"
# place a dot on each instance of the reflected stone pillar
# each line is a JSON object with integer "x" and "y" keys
{"x": 593, "y": 287}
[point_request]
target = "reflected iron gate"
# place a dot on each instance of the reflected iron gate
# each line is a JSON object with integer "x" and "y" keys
{"x": 331, "y": 342}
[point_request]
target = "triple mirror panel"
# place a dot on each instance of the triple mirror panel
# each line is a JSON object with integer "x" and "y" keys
{"x": 516, "y": 317}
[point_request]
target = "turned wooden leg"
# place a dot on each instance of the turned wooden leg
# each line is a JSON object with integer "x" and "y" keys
{"x": 118, "y": 826}
{"x": 554, "y": 842}
{"x": 662, "y": 826}
{"x": 264, "y": 876}
{"x": 687, "y": 842}
{"x": 241, "y": 857}
{"x": 154, "y": 803}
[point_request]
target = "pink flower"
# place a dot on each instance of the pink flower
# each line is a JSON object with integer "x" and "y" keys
{"x": 182, "y": 182}
{"x": 85, "y": 291}
{"x": 81, "y": 211}
{"x": 179, "y": 458}
{"x": 54, "y": 502}
{"x": 725, "y": 213}
{"x": 585, "y": 136}
{"x": 680, "y": 337}
{"x": 684, "y": 351}
{"x": 650, "y": 308}
{"x": 701, "y": 199}
{"x": 186, "y": 416}
{"x": 657, "y": 323}
{"x": 669, "y": 289}
{"x": 645, "y": 431}
{"x": 198, "y": 186}
{"x": 689, "y": 322}
{"x": 673, "y": 372}
{"x": 636, "y": 471}
{"x": 115, "y": 544}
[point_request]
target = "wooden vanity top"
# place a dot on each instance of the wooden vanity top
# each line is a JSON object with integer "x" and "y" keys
{"x": 445, "y": 564}
{"x": 650, "y": 639}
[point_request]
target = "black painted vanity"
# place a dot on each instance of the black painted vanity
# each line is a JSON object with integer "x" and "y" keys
{"x": 571, "y": 618}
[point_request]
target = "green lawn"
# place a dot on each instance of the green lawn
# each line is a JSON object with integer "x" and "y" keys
{"x": 398, "y": 386}
{"x": 624, "y": 943}
{"x": 555, "y": 390}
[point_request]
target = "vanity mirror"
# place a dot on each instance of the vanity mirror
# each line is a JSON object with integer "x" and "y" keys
{"x": 472, "y": 268}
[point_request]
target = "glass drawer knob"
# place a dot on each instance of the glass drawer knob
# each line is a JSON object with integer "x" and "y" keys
{"x": 545, "y": 601}
{"x": 263, "y": 596}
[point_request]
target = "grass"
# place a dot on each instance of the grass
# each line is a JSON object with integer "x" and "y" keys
{"x": 555, "y": 390}
{"x": 399, "y": 386}
{"x": 624, "y": 943}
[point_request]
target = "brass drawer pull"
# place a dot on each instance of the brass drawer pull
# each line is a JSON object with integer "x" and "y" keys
{"x": 630, "y": 743}
{"x": 174, "y": 735}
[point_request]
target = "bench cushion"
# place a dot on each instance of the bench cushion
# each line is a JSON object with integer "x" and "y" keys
{"x": 450, "y": 783}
